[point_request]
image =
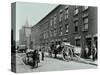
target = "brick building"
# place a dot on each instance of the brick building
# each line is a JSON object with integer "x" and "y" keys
{"x": 76, "y": 25}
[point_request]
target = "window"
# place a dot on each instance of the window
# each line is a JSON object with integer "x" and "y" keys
{"x": 66, "y": 12}
{"x": 76, "y": 11}
{"x": 85, "y": 15}
{"x": 66, "y": 28}
{"x": 61, "y": 16}
{"x": 44, "y": 35}
{"x": 85, "y": 20}
{"x": 55, "y": 32}
{"x": 77, "y": 42}
{"x": 60, "y": 30}
{"x": 85, "y": 24}
{"x": 47, "y": 34}
{"x": 76, "y": 26}
{"x": 51, "y": 21}
{"x": 85, "y": 8}
{"x": 41, "y": 36}
{"x": 51, "y": 33}
{"x": 55, "y": 17}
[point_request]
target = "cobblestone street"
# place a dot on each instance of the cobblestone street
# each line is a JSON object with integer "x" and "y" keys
{"x": 50, "y": 64}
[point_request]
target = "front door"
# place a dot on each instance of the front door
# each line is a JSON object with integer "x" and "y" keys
{"x": 89, "y": 43}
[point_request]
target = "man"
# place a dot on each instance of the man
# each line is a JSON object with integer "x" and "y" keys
{"x": 57, "y": 48}
{"x": 94, "y": 51}
{"x": 49, "y": 51}
{"x": 86, "y": 52}
{"x": 35, "y": 58}
{"x": 42, "y": 53}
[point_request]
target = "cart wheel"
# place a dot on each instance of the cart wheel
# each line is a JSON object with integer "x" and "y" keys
{"x": 25, "y": 60}
{"x": 66, "y": 55}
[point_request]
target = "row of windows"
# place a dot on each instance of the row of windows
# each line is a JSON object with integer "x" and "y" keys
{"x": 84, "y": 26}
{"x": 76, "y": 11}
{"x": 54, "y": 32}
{"x": 53, "y": 21}
{"x": 85, "y": 19}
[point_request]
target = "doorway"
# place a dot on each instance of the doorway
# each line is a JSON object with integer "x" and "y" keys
{"x": 89, "y": 44}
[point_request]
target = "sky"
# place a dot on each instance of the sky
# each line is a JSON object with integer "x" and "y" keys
{"x": 31, "y": 12}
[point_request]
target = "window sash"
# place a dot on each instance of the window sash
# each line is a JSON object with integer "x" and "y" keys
{"x": 55, "y": 32}
{"x": 51, "y": 22}
{"x": 76, "y": 11}
{"x": 61, "y": 15}
{"x": 51, "y": 33}
{"x": 76, "y": 23}
{"x": 55, "y": 17}
{"x": 66, "y": 14}
{"x": 60, "y": 18}
{"x": 85, "y": 20}
{"x": 86, "y": 26}
{"x": 60, "y": 30}
{"x": 76, "y": 28}
{"x": 66, "y": 28}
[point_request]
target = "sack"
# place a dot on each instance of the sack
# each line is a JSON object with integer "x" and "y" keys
{"x": 30, "y": 60}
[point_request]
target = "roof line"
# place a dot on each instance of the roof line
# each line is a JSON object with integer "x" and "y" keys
{"x": 47, "y": 15}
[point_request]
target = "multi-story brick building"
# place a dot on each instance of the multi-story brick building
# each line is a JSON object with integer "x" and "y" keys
{"x": 76, "y": 25}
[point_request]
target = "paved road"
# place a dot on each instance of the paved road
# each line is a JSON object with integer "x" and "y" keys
{"x": 51, "y": 64}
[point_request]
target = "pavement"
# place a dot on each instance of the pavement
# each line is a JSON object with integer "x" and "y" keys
{"x": 86, "y": 61}
{"x": 80, "y": 60}
{"x": 50, "y": 64}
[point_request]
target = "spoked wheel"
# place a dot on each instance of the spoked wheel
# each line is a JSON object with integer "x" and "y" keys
{"x": 66, "y": 54}
{"x": 25, "y": 60}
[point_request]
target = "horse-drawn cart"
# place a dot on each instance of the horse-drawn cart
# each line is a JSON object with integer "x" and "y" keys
{"x": 32, "y": 58}
{"x": 70, "y": 51}
{"x": 66, "y": 51}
